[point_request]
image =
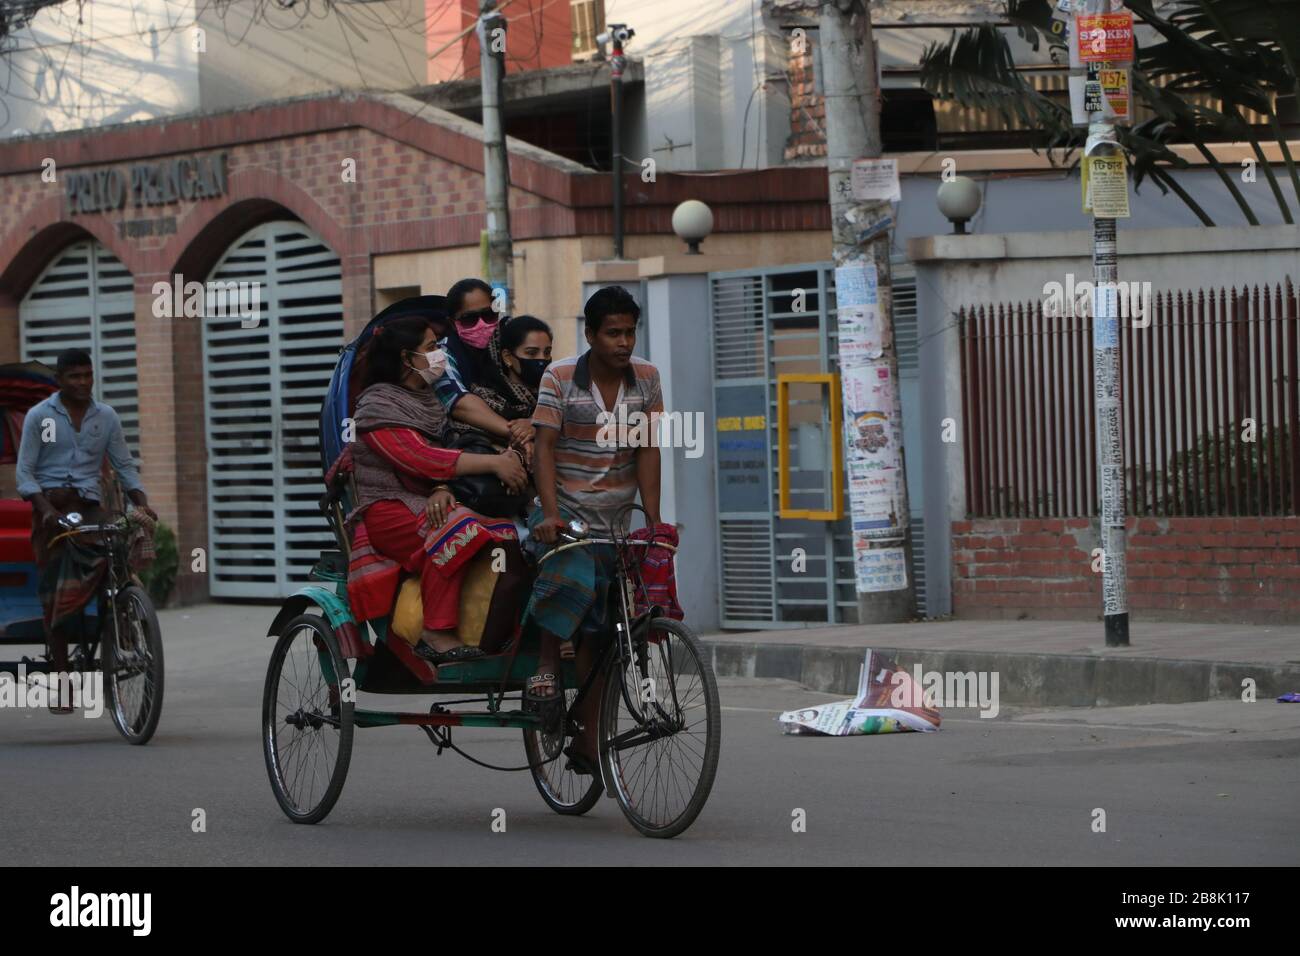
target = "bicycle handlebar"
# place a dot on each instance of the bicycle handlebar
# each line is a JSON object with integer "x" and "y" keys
{"x": 572, "y": 542}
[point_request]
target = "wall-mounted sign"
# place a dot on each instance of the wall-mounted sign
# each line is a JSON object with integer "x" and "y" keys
{"x": 744, "y": 471}
{"x": 146, "y": 184}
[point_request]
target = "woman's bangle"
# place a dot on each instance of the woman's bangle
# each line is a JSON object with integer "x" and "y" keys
{"x": 438, "y": 488}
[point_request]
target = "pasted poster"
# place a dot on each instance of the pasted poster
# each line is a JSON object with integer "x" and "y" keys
{"x": 858, "y": 314}
{"x": 871, "y": 452}
{"x": 869, "y": 416}
{"x": 879, "y": 569}
{"x": 876, "y": 501}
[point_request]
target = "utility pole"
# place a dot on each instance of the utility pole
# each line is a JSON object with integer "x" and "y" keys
{"x": 882, "y": 545}
{"x": 496, "y": 160}
{"x": 619, "y": 33}
{"x": 1107, "y": 381}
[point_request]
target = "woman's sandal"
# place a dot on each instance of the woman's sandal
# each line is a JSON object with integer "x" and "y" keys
{"x": 452, "y": 656}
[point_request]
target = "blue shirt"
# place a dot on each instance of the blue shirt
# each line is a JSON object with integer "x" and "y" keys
{"x": 74, "y": 458}
{"x": 449, "y": 387}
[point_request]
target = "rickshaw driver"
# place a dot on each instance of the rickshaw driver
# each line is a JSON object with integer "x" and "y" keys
{"x": 59, "y": 472}
{"x": 584, "y": 469}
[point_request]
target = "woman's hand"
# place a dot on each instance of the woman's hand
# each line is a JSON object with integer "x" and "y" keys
{"x": 510, "y": 469}
{"x": 439, "y": 505}
{"x": 521, "y": 432}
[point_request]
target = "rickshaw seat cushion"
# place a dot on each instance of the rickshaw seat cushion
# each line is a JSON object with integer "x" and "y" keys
{"x": 16, "y": 532}
{"x": 477, "y": 586}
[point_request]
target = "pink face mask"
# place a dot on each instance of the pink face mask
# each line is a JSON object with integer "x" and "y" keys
{"x": 478, "y": 335}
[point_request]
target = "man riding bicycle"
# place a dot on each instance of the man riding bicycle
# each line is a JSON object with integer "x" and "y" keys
{"x": 65, "y": 441}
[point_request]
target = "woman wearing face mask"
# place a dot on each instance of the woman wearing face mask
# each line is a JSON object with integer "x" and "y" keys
{"x": 469, "y": 364}
{"x": 406, "y": 517}
{"x": 518, "y": 353}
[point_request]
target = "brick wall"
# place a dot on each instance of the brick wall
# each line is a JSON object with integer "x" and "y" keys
{"x": 1194, "y": 569}
{"x": 807, "y": 109}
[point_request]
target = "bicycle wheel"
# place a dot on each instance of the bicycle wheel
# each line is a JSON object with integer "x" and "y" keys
{"x": 307, "y": 719}
{"x": 565, "y": 792}
{"x": 133, "y": 666}
{"x": 661, "y": 767}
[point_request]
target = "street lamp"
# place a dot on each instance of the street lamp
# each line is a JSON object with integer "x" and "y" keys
{"x": 692, "y": 221}
{"x": 959, "y": 200}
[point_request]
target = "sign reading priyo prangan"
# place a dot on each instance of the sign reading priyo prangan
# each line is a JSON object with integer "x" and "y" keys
{"x": 147, "y": 184}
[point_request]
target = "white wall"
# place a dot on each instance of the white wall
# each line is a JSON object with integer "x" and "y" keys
{"x": 145, "y": 59}
{"x": 126, "y": 60}
{"x": 697, "y": 91}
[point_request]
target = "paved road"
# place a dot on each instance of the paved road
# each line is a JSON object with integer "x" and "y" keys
{"x": 1210, "y": 783}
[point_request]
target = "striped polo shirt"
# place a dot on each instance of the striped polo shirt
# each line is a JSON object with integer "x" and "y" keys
{"x": 595, "y": 466}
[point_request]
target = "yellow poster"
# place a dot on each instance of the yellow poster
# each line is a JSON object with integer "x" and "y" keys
{"x": 1105, "y": 186}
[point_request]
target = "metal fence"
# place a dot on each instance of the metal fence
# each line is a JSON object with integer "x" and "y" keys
{"x": 1211, "y": 406}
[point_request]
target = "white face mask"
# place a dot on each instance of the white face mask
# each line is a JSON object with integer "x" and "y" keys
{"x": 437, "y": 360}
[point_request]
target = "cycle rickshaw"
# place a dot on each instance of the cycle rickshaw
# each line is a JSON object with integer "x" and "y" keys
{"x": 659, "y": 724}
{"x": 117, "y": 635}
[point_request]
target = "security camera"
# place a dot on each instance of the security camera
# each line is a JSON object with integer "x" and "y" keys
{"x": 619, "y": 31}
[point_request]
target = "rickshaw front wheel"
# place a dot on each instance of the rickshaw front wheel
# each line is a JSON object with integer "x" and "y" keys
{"x": 132, "y": 662}
{"x": 307, "y": 719}
{"x": 661, "y": 730}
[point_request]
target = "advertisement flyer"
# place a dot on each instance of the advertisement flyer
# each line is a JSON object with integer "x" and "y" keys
{"x": 868, "y": 414}
{"x": 876, "y": 502}
{"x": 879, "y": 569}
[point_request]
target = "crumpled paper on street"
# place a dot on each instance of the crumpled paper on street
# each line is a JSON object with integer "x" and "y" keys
{"x": 887, "y": 702}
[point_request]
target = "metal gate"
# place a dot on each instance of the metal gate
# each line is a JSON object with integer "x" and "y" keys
{"x": 85, "y": 299}
{"x": 263, "y": 387}
{"x": 784, "y": 572}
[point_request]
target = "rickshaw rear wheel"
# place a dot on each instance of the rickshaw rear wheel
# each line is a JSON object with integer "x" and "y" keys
{"x": 565, "y": 792}
{"x": 661, "y": 770}
{"x": 307, "y": 719}
{"x": 133, "y": 675}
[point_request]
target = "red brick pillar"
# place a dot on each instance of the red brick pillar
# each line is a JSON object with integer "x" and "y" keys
{"x": 358, "y": 293}
{"x": 10, "y": 340}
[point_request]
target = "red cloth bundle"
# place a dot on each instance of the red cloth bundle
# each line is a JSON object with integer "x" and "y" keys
{"x": 657, "y": 572}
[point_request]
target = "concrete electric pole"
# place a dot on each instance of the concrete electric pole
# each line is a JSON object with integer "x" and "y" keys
{"x": 496, "y": 160}
{"x": 862, "y": 220}
{"x": 1102, "y": 40}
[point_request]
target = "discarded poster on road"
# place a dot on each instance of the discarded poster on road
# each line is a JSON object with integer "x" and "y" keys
{"x": 873, "y": 710}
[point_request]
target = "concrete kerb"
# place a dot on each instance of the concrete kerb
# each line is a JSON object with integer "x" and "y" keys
{"x": 1027, "y": 680}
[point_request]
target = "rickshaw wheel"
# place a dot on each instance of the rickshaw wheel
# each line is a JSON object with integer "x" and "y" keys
{"x": 662, "y": 770}
{"x": 307, "y": 719}
{"x": 565, "y": 792}
{"x": 133, "y": 675}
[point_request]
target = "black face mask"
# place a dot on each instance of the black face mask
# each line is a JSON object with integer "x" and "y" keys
{"x": 531, "y": 371}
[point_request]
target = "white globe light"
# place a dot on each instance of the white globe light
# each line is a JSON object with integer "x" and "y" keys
{"x": 959, "y": 200}
{"x": 692, "y": 221}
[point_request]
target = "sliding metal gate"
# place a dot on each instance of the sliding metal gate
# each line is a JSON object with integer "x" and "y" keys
{"x": 263, "y": 389}
{"x": 783, "y": 572}
{"x": 85, "y": 299}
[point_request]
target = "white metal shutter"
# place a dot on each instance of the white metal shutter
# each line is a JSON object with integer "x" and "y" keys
{"x": 263, "y": 388}
{"x": 85, "y": 299}
{"x": 748, "y": 573}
